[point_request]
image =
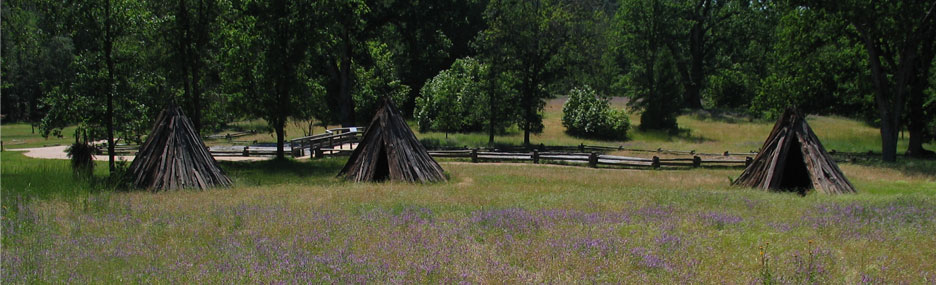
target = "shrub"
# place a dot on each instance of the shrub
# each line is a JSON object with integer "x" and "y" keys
{"x": 82, "y": 159}
{"x": 587, "y": 115}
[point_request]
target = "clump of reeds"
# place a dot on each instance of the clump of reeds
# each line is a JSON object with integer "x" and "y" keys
{"x": 82, "y": 159}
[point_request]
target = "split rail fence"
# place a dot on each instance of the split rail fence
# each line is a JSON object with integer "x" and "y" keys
{"x": 592, "y": 159}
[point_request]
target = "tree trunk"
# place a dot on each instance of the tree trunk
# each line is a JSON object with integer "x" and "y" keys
{"x": 920, "y": 82}
{"x": 109, "y": 113}
{"x": 492, "y": 107}
{"x": 888, "y": 109}
{"x": 916, "y": 125}
{"x": 526, "y": 134}
{"x": 196, "y": 97}
{"x": 888, "y": 141}
{"x": 279, "y": 126}
{"x": 346, "y": 106}
{"x": 696, "y": 76}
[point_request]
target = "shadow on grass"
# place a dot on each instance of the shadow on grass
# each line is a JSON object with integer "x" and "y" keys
{"x": 907, "y": 166}
{"x": 669, "y": 135}
{"x": 625, "y": 138}
{"x": 724, "y": 116}
{"x": 278, "y": 171}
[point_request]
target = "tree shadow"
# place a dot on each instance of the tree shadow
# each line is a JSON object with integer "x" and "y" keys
{"x": 723, "y": 116}
{"x": 671, "y": 135}
{"x": 278, "y": 171}
{"x": 909, "y": 166}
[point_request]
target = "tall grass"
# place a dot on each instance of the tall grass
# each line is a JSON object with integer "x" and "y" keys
{"x": 294, "y": 221}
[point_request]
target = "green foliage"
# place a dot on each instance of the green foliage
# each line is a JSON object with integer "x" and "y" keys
{"x": 453, "y": 100}
{"x": 526, "y": 38}
{"x": 816, "y": 69}
{"x": 651, "y": 74}
{"x": 586, "y": 114}
{"x": 376, "y": 81}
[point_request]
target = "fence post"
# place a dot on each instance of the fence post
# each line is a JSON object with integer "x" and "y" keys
{"x": 298, "y": 152}
{"x": 747, "y": 161}
{"x": 696, "y": 161}
{"x": 535, "y": 156}
{"x": 247, "y": 150}
{"x": 593, "y": 160}
{"x": 726, "y": 153}
{"x": 655, "y": 163}
{"x": 318, "y": 152}
{"x": 474, "y": 155}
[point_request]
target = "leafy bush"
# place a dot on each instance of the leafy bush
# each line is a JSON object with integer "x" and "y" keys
{"x": 587, "y": 115}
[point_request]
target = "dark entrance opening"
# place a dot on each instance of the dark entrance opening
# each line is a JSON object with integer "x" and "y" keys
{"x": 795, "y": 174}
{"x": 382, "y": 169}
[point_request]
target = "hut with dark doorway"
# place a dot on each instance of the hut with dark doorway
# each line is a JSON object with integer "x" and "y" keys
{"x": 793, "y": 159}
{"x": 390, "y": 151}
{"x": 175, "y": 157}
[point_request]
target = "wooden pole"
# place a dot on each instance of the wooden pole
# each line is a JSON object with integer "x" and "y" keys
{"x": 474, "y": 155}
{"x": 747, "y": 161}
{"x": 318, "y": 152}
{"x": 655, "y": 163}
{"x": 696, "y": 161}
{"x": 593, "y": 160}
{"x": 535, "y": 156}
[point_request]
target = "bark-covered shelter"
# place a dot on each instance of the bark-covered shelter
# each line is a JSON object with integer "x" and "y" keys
{"x": 174, "y": 157}
{"x": 793, "y": 159}
{"x": 390, "y": 151}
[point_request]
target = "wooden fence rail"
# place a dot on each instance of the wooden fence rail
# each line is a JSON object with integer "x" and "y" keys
{"x": 591, "y": 159}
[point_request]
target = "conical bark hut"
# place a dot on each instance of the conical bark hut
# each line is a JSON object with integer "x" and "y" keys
{"x": 390, "y": 151}
{"x": 174, "y": 157}
{"x": 793, "y": 159}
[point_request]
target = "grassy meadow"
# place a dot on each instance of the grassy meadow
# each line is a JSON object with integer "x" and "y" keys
{"x": 295, "y": 222}
{"x": 22, "y": 135}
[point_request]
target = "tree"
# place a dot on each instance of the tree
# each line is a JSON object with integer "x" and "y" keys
{"x": 375, "y": 81}
{"x": 896, "y": 36}
{"x": 450, "y": 100}
{"x": 270, "y": 42}
{"x": 815, "y": 68}
{"x": 192, "y": 32}
{"x": 426, "y": 37}
{"x": 695, "y": 42}
{"x": 645, "y": 27}
{"x": 527, "y": 37}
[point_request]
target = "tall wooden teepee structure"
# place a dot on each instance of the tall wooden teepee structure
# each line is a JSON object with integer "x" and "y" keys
{"x": 792, "y": 158}
{"x": 390, "y": 151}
{"x": 174, "y": 156}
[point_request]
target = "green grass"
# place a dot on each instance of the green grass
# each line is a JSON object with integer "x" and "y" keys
{"x": 26, "y": 178}
{"x": 700, "y": 133}
{"x": 289, "y": 220}
{"x": 490, "y": 223}
{"x": 22, "y": 135}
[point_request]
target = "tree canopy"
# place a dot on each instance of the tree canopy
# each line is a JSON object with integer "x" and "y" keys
{"x": 109, "y": 66}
